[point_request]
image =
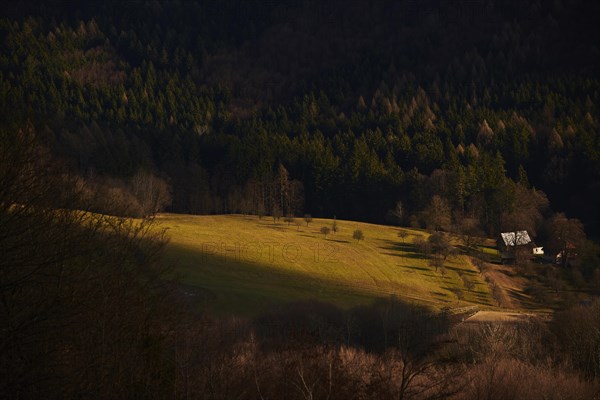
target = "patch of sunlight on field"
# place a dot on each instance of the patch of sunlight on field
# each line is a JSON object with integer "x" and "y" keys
{"x": 243, "y": 264}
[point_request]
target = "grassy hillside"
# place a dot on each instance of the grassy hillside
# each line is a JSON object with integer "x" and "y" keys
{"x": 243, "y": 264}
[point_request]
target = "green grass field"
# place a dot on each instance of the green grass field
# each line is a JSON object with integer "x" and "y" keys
{"x": 243, "y": 264}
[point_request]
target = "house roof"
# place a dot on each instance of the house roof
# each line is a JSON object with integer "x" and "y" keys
{"x": 517, "y": 238}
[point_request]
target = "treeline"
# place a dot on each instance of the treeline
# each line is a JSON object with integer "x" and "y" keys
{"x": 217, "y": 97}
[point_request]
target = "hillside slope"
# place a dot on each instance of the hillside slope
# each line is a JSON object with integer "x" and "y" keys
{"x": 243, "y": 264}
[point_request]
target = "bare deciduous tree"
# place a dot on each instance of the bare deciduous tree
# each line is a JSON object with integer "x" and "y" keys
{"x": 152, "y": 192}
{"x": 440, "y": 246}
{"x": 358, "y": 235}
{"x": 402, "y": 234}
{"x": 436, "y": 263}
{"x": 566, "y": 237}
{"x": 396, "y": 215}
{"x": 276, "y": 213}
{"x": 437, "y": 214}
{"x": 470, "y": 233}
{"x": 308, "y": 219}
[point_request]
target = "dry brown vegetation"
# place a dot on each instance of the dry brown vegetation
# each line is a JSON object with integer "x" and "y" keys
{"x": 81, "y": 305}
{"x": 85, "y": 313}
{"x": 485, "y": 361}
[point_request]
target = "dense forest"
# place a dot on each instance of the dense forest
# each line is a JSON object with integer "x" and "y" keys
{"x": 464, "y": 116}
{"x": 329, "y": 109}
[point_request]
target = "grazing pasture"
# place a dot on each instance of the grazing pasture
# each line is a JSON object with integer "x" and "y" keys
{"x": 244, "y": 264}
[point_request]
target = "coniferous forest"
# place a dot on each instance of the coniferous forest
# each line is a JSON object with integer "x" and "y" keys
{"x": 467, "y": 118}
{"x": 356, "y": 107}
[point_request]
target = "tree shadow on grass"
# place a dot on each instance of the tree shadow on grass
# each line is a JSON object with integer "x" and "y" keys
{"x": 481, "y": 299}
{"x": 415, "y": 267}
{"x": 461, "y": 270}
{"x": 338, "y": 240}
{"x": 405, "y": 247}
{"x": 415, "y": 256}
{"x": 246, "y": 217}
{"x": 454, "y": 290}
{"x": 277, "y": 227}
{"x": 407, "y": 250}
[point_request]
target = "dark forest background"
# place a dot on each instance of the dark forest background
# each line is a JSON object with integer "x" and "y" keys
{"x": 328, "y": 108}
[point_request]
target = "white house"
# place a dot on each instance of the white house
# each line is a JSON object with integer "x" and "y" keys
{"x": 509, "y": 243}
